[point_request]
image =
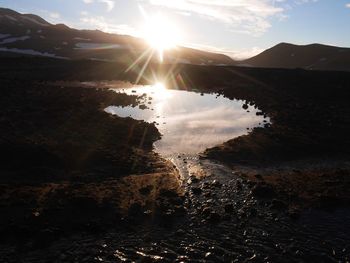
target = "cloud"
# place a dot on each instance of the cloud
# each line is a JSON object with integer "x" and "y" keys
{"x": 235, "y": 54}
{"x": 109, "y": 3}
{"x": 305, "y": 1}
{"x": 99, "y": 22}
{"x": 245, "y": 16}
{"x": 347, "y": 5}
{"x": 55, "y": 15}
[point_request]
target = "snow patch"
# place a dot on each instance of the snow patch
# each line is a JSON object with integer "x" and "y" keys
{"x": 34, "y": 21}
{"x": 31, "y": 52}
{"x": 4, "y": 36}
{"x": 82, "y": 39}
{"x": 245, "y": 65}
{"x": 98, "y": 46}
{"x": 175, "y": 60}
{"x": 14, "y": 39}
{"x": 11, "y": 18}
{"x": 102, "y": 60}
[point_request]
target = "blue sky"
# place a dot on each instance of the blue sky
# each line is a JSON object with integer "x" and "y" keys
{"x": 237, "y": 27}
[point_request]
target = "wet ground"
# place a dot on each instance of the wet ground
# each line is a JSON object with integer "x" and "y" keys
{"x": 226, "y": 219}
{"x": 132, "y": 205}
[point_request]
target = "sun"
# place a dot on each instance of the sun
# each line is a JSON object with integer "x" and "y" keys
{"x": 161, "y": 92}
{"x": 161, "y": 34}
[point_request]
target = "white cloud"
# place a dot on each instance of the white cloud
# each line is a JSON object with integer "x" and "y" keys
{"x": 305, "y": 1}
{"x": 99, "y": 22}
{"x": 347, "y": 5}
{"x": 109, "y": 3}
{"x": 55, "y": 15}
{"x": 235, "y": 54}
{"x": 245, "y": 16}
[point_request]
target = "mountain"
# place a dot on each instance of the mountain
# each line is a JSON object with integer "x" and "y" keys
{"x": 30, "y": 35}
{"x": 312, "y": 57}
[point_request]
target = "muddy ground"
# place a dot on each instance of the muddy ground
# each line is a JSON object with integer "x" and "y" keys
{"x": 79, "y": 185}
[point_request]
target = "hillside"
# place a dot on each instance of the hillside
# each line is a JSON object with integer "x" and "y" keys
{"x": 313, "y": 57}
{"x": 30, "y": 35}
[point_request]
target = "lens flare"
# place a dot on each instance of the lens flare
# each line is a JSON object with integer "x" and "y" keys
{"x": 161, "y": 34}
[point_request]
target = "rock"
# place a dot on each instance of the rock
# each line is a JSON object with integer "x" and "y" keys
{"x": 263, "y": 191}
{"x": 229, "y": 208}
{"x": 196, "y": 190}
{"x": 294, "y": 214}
{"x": 278, "y": 205}
{"x": 168, "y": 193}
{"x": 146, "y": 190}
{"x": 214, "y": 218}
{"x": 180, "y": 211}
{"x": 45, "y": 238}
{"x": 206, "y": 211}
{"x": 135, "y": 209}
{"x": 180, "y": 232}
{"x": 216, "y": 183}
{"x": 253, "y": 212}
{"x": 258, "y": 176}
{"x": 251, "y": 184}
{"x": 194, "y": 179}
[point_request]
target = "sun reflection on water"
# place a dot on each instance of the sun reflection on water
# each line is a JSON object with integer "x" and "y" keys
{"x": 189, "y": 122}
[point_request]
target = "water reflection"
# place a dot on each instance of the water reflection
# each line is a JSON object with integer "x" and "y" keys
{"x": 190, "y": 122}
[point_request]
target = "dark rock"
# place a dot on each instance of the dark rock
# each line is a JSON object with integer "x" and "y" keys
{"x": 253, "y": 212}
{"x": 294, "y": 214}
{"x": 146, "y": 190}
{"x": 206, "y": 211}
{"x": 45, "y": 238}
{"x": 258, "y": 176}
{"x": 263, "y": 191}
{"x": 214, "y": 218}
{"x": 196, "y": 190}
{"x": 168, "y": 193}
{"x": 194, "y": 179}
{"x": 278, "y": 205}
{"x": 135, "y": 209}
{"x": 229, "y": 208}
{"x": 216, "y": 183}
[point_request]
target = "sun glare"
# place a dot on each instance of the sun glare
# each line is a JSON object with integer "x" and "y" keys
{"x": 161, "y": 92}
{"x": 161, "y": 34}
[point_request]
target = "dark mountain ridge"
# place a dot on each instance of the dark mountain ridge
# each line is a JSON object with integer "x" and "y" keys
{"x": 312, "y": 57}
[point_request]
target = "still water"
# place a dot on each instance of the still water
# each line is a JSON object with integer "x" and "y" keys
{"x": 189, "y": 122}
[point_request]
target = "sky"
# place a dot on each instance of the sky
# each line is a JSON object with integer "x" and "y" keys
{"x": 239, "y": 28}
